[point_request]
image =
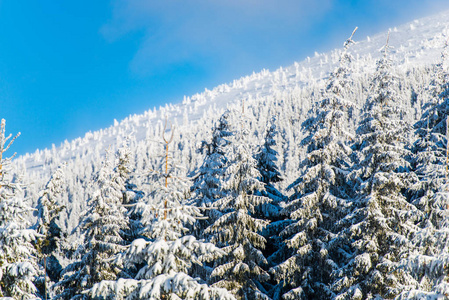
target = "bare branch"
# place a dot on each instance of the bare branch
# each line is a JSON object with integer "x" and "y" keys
{"x": 172, "y": 131}
{"x": 355, "y": 29}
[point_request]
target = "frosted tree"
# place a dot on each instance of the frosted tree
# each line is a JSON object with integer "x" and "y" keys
{"x": 207, "y": 183}
{"x": 269, "y": 171}
{"x": 320, "y": 194}
{"x": 164, "y": 260}
{"x": 426, "y": 264}
{"x": 124, "y": 172}
{"x": 103, "y": 225}
{"x": 130, "y": 192}
{"x": 382, "y": 221}
{"x": 430, "y": 147}
{"x": 238, "y": 228}
{"x": 424, "y": 267}
{"x": 18, "y": 265}
{"x": 48, "y": 209}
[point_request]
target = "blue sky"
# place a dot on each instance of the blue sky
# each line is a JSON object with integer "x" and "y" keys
{"x": 67, "y": 67}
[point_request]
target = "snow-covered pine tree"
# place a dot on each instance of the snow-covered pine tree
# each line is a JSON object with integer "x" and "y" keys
{"x": 124, "y": 172}
{"x": 103, "y": 225}
{"x": 381, "y": 222}
{"x": 207, "y": 182}
{"x": 426, "y": 265}
{"x": 164, "y": 257}
{"x": 48, "y": 246}
{"x": 130, "y": 194}
{"x": 430, "y": 147}
{"x": 18, "y": 265}
{"x": 269, "y": 171}
{"x": 320, "y": 193}
{"x": 48, "y": 209}
{"x": 238, "y": 228}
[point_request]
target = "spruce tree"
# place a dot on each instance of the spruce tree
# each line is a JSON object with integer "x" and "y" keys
{"x": 207, "y": 182}
{"x": 130, "y": 193}
{"x": 163, "y": 258}
{"x": 426, "y": 264}
{"x": 266, "y": 164}
{"x": 424, "y": 267}
{"x": 382, "y": 221}
{"x": 49, "y": 245}
{"x": 18, "y": 265}
{"x": 430, "y": 147}
{"x": 103, "y": 225}
{"x": 238, "y": 228}
{"x": 319, "y": 195}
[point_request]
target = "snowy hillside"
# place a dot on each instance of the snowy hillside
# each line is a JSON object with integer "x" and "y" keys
{"x": 336, "y": 160}
{"x": 415, "y": 44}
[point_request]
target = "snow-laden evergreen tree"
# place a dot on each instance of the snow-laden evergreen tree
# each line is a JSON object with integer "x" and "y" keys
{"x": 103, "y": 225}
{"x": 130, "y": 193}
{"x": 164, "y": 257}
{"x": 270, "y": 175}
{"x": 269, "y": 171}
{"x": 49, "y": 245}
{"x": 382, "y": 221}
{"x": 48, "y": 209}
{"x": 424, "y": 267}
{"x": 430, "y": 147}
{"x": 426, "y": 264}
{"x": 124, "y": 172}
{"x": 238, "y": 228}
{"x": 207, "y": 182}
{"x": 18, "y": 265}
{"x": 320, "y": 193}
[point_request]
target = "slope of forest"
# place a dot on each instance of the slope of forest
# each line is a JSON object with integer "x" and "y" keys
{"x": 326, "y": 179}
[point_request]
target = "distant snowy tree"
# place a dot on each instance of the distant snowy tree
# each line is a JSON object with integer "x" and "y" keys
{"x": 18, "y": 265}
{"x": 207, "y": 183}
{"x": 130, "y": 193}
{"x": 382, "y": 221}
{"x": 163, "y": 261}
{"x": 49, "y": 245}
{"x": 320, "y": 193}
{"x": 103, "y": 225}
{"x": 238, "y": 228}
{"x": 48, "y": 209}
{"x": 269, "y": 171}
{"x": 124, "y": 171}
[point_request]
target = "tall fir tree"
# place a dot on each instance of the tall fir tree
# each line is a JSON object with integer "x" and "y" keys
{"x": 382, "y": 221}
{"x": 320, "y": 193}
{"x": 130, "y": 193}
{"x": 103, "y": 225}
{"x": 163, "y": 259}
{"x": 426, "y": 264}
{"x": 266, "y": 164}
{"x": 207, "y": 182}
{"x": 238, "y": 228}
{"x": 49, "y": 245}
{"x": 18, "y": 265}
{"x": 430, "y": 147}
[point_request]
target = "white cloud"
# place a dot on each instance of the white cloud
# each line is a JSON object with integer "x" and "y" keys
{"x": 227, "y": 33}
{"x": 181, "y": 31}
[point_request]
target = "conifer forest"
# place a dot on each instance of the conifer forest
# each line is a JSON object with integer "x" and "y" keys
{"x": 324, "y": 180}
